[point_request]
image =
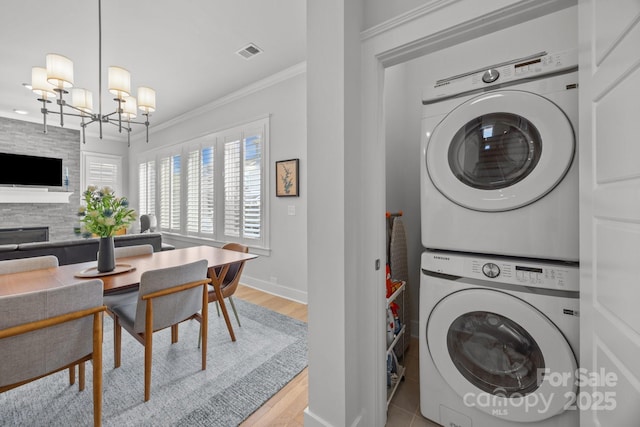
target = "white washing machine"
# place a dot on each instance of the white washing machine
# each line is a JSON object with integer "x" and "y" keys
{"x": 499, "y": 173}
{"x": 498, "y": 341}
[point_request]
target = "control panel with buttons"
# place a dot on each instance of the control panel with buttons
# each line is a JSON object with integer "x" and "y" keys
{"x": 551, "y": 275}
{"x": 529, "y": 67}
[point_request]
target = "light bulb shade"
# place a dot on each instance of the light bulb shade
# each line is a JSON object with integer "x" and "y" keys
{"x": 59, "y": 71}
{"x": 146, "y": 99}
{"x": 119, "y": 82}
{"x": 129, "y": 108}
{"x": 39, "y": 83}
{"x": 82, "y": 99}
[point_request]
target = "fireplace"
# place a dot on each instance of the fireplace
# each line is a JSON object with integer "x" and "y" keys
{"x": 23, "y": 235}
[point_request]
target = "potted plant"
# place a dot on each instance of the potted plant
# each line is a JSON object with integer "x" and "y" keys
{"x": 103, "y": 215}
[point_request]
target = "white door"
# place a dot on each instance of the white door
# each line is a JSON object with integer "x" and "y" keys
{"x": 610, "y": 212}
{"x": 501, "y": 150}
{"x": 492, "y": 347}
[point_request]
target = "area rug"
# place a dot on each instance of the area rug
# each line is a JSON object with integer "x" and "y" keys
{"x": 270, "y": 350}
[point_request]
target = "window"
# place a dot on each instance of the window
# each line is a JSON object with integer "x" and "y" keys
{"x": 102, "y": 170}
{"x": 212, "y": 187}
{"x": 147, "y": 187}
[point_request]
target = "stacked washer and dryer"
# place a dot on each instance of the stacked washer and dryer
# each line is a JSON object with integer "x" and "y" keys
{"x": 499, "y": 290}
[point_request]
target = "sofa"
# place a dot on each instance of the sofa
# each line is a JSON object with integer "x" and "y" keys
{"x": 79, "y": 250}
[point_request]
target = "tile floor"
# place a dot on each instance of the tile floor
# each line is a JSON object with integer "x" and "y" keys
{"x": 404, "y": 409}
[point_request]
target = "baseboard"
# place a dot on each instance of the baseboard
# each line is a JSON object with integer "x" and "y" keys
{"x": 313, "y": 420}
{"x": 274, "y": 289}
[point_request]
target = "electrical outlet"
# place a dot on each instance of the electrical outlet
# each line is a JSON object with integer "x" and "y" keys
{"x": 273, "y": 279}
{"x": 292, "y": 210}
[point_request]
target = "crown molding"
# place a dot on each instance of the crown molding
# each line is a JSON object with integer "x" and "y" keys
{"x": 265, "y": 83}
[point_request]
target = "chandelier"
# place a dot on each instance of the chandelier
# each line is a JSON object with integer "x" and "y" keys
{"x": 56, "y": 81}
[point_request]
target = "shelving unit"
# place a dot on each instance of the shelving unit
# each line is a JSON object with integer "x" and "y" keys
{"x": 393, "y": 347}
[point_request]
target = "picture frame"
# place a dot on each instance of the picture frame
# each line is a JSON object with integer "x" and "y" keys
{"x": 287, "y": 182}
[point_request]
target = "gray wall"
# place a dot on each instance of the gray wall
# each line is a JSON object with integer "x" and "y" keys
{"x": 21, "y": 137}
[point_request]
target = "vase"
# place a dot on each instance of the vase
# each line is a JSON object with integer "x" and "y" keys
{"x": 106, "y": 256}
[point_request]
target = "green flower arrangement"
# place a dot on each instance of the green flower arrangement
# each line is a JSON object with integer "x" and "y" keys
{"x": 104, "y": 213}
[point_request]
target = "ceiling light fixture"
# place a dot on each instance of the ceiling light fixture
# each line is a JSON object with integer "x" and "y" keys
{"x": 57, "y": 79}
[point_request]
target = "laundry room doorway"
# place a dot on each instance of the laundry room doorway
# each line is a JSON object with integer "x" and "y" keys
{"x": 402, "y": 94}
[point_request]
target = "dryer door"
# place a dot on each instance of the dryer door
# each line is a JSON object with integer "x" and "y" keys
{"x": 500, "y": 150}
{"x": 502, "y": 355}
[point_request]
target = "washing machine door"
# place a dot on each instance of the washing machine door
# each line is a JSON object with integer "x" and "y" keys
{"x": 500, "y": 150}
{"x": 501, "y": 355}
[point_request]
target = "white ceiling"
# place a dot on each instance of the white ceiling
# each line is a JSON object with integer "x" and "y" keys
{"x": 185, "y": 50}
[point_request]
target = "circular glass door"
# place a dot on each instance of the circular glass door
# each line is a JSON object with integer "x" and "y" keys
{"x": 495, "y": 351}
{"x": 500, "y": 151}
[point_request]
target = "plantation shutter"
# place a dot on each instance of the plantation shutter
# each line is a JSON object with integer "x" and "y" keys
{"x": 147, "y": 187}
{"x": 165, "y": 192}
{"x": 170, "y": 170}
{"x": 175, "y": 193}
{"x": 200, "y": 192}
{"x": 252, "y": 184}
{"x": 207, "y": 193}
{"x": 193, "y": 192}
{"x": 102, "y": 170}
{"x": 232, "y": 187}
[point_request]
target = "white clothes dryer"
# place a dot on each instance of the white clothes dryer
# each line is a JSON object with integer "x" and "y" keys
{"x": 498, "y": 341}
{"x": 498, "y": 169}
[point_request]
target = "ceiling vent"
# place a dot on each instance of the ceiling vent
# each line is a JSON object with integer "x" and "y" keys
{"x": 249, "y": 51}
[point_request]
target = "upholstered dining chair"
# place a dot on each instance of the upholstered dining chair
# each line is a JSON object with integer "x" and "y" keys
{"x": 114, "y": 298}
{"x": 47, "y": 331}
{"x": 165, "y": 298}
{"x": 125, "y": 251}
{"x": 230, "y": 282}
{"x": 27, "y": 264}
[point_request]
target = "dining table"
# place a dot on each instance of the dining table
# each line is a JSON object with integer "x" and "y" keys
{"x": 128, "y": 272}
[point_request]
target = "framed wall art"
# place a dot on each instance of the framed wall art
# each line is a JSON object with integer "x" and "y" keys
{"x": 287, "y": 184}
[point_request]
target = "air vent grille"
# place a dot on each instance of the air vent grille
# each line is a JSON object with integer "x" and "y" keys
{"x": 249, "y": 51}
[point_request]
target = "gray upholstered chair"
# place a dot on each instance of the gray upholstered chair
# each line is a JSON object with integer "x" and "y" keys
{"x": 27, "y": 264}
{"x": 166, "y": 297}
{"x": 148, "y": 222}
{"x": 50, "y": 330}
{"x": 125, "y": 251}
{"x": 114, "y": 298}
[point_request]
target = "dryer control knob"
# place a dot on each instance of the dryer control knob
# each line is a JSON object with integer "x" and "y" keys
{"x": 491, "y": 270}
{"x": 490, "y": 76}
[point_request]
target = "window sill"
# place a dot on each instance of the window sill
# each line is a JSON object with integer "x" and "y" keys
{"x": 193, "y": 240}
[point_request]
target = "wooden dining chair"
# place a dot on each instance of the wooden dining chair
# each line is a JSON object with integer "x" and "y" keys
{"x": 47, "y": 331}
{"x": 231, "y": 280}
{"x": 165, "y": 298}
{"x": 229, "y": 283}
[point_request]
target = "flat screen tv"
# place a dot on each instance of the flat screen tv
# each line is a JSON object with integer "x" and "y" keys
{"x": 19, "y": 169}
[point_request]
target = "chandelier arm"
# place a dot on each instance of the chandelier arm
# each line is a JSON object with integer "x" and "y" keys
{"x": 61, "y": 103}
{"x": 44, "y": 112}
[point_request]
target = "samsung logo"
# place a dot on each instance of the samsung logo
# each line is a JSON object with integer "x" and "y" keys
{"x": 444, "y": 258}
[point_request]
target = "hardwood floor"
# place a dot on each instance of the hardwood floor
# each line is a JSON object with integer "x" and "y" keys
{"x": 285, "y": 408}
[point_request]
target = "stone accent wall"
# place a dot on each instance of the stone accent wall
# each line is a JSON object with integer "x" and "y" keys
{"x": 20, "y": 137}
